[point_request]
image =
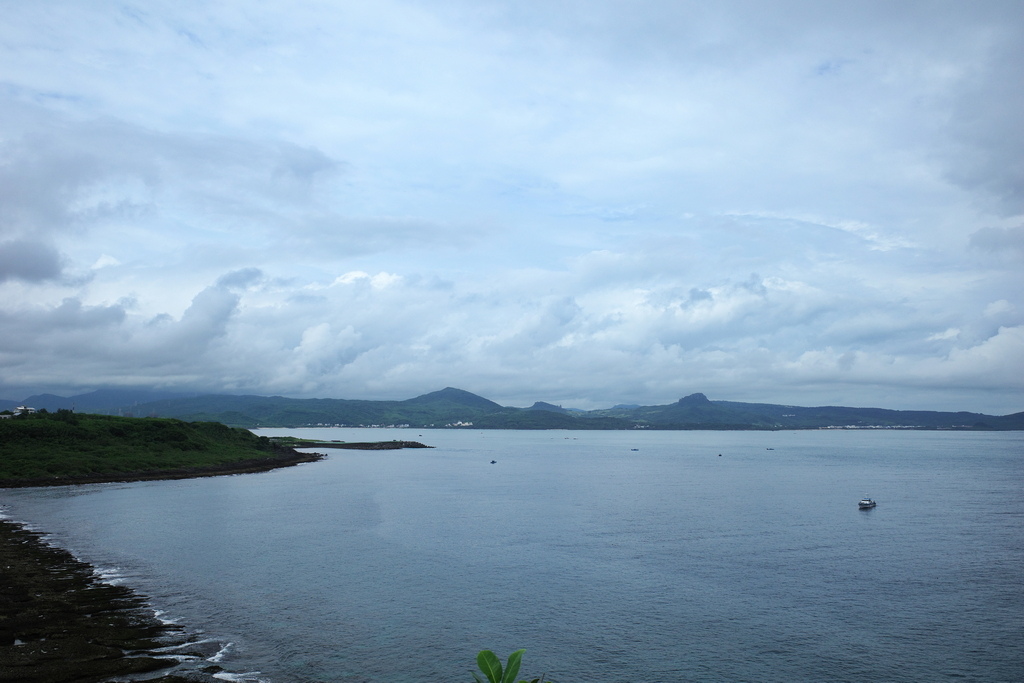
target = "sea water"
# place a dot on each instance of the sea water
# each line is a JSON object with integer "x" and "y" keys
{"x": 610, "y": 556}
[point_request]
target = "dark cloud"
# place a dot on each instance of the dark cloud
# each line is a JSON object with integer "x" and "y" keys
{"x": 69, "y": 325}
{"x": 304, "y": 165}
{"x": 240, "y": 278}
{"x": 29, "y": 261}
{"x": 73, "y": 314}
{"x": 39, "y": 178}
{"x": 697, "y": 294}
{"x": 103, "y": 170}
{"x": 999, "y": 240}
{"x": 985, "y": 124}
{"x": 205, "y": 319}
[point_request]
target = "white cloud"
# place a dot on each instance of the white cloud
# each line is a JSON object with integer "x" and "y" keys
{"x": 593, "y": 202}
{"x": 998, "y": 308}
{"x": 378, "y": 281}
{"x": 104, "y": 261}
{"x": 951, "y": 333}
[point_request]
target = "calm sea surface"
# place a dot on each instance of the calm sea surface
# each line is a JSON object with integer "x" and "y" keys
{"x": 609, "y": 556}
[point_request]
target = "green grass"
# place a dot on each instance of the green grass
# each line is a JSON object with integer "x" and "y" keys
{"x": 66, "y": 444}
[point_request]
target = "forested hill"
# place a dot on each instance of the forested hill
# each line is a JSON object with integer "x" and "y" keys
{"x": 457, "y": 408}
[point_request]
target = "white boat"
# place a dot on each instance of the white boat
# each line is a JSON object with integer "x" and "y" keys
{"x": 866, "y": 504}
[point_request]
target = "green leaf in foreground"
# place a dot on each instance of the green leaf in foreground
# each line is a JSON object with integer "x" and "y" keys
{"x": 490, "y": 665}
{"x": 512, "y": 666}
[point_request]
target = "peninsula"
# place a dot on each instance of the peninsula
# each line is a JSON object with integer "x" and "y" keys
{"x": 55, "y": 449}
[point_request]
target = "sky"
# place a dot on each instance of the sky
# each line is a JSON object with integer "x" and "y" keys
{"x": 584, "y": 203}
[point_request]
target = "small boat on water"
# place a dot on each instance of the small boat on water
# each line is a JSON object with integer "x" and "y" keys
{"x": 866, "y": 504}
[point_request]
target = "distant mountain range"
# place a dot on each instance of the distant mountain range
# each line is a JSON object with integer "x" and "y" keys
{"x": 103, "y": 401}
{"x": 457, "y": 408}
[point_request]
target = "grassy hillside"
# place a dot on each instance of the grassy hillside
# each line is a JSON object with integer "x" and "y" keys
{"x": 70, "y": 446}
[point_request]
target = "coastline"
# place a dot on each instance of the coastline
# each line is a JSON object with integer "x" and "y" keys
{"x": 59, "y": 622}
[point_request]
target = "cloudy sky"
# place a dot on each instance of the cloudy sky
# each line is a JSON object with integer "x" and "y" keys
{"x": 585, "y": 203}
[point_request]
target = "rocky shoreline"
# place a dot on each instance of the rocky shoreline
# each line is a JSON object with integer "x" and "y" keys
{"x": 60, "y": 623}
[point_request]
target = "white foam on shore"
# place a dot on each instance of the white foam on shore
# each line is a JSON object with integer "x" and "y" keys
{"x": 248, "y": 677}
{"x": 109, "y": 575}
{"x": 220, "y": 653}
{"x": 163, "y": 619}
{"x": 181, "y": 646}
{"x": 181, "y": 659}
{"x": 27, "y": 526}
